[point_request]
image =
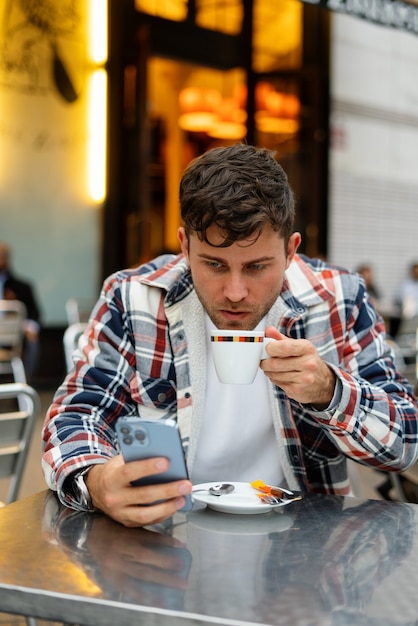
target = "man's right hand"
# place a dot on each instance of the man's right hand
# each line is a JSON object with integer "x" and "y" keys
{"x": 111, "y": 491}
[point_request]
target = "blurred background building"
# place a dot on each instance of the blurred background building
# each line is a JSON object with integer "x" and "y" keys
{"x": 102, "y": 104}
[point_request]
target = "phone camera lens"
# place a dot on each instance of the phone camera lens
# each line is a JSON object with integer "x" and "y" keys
{"x": 141, "y": 436}
{"x": 125, "y": 430}
{"x": 128, "y": 440}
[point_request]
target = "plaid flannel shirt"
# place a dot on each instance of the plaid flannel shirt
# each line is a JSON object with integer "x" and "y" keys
{"x": 144, "y": 354}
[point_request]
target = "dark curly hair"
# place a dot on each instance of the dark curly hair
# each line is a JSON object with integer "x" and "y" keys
{"x": 240, "y": 189}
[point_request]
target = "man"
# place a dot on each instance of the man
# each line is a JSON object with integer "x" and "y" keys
{"x": 328, "y": 391}
{"x": 408, "y": 294}
{"x": 13, "y": 288}
{"x": 368, "y": 275}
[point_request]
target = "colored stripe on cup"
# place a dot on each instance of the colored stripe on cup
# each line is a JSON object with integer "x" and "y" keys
{"x": 237, "y": 338}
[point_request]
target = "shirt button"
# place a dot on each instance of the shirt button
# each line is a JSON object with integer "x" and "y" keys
{"x": 187, "y": 394}
{"x": 341, "y": 418}
{"x": 162, "y": 397}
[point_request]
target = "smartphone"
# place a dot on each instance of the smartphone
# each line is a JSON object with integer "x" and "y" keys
{"x": 140, "y": 439}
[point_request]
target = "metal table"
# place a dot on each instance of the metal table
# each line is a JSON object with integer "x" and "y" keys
{"x": 320, "y": 561}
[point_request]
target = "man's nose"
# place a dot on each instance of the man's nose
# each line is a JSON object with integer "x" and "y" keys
{"x": 235, "y": 288}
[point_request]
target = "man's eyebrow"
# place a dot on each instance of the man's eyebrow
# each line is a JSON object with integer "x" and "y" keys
{"x": 210, "y": 257}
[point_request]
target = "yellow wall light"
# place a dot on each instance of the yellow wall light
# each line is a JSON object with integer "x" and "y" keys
{"x": 98, "y": 31}
{"x": 97, "y": 126}
{"x": 97, "y": 100}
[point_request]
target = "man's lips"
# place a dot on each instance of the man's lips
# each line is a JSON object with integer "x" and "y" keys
{"x": 229, "y": 313}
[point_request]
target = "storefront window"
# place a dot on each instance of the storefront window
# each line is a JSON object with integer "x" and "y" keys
{"x": 175, "y": 10}
{"x": 225, "y": 17}
{"x": 277, "y": 35}
{"x": 239, "y": 88}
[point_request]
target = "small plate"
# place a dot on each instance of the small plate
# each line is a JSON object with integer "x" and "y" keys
{"x": 242, "y": 501}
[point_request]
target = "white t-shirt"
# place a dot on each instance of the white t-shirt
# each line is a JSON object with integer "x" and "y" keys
{"x": 237, "y": 441}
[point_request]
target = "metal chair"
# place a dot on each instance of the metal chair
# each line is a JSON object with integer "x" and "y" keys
{"x": 12, "y": 318}
{"x": 17, "y": 422}
{"x": 19, "y": 409}
{"x": 78, "y": 310}
{"x": 402, "y": 486}
{"x": 70, "y": 340}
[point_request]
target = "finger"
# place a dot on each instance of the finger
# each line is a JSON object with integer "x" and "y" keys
{"x": 135, "y": 470}
{"x": 136, "y": 516}
{"x": 272, "y": 332}
{"x": 293, "y": 348}
{"x": 149, "y": 494}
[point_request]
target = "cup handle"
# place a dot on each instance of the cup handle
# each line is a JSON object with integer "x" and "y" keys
{"x": 264, "y": 354}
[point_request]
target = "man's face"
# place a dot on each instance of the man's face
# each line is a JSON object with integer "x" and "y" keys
{"x": 238, "y": 285}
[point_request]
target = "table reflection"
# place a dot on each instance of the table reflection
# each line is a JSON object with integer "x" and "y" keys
{"x": 336, "y": 560}
{"x": 129, "y": 564}
{"x": 318, "y": 561}
{"x": 321, "y": 565}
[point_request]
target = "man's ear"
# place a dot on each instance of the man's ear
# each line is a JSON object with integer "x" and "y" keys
{"x": 292, "y": 246}
{"x": 184, "y": 242}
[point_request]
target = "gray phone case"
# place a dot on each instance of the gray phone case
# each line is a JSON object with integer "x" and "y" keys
{"x": 140, "y": 439}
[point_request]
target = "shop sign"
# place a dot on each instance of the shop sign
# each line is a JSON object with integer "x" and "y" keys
{"x": 394, "y": 13}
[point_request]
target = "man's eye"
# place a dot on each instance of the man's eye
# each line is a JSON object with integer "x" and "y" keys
{"x": 256, "y": 267}
{"x": 214, "y": 264}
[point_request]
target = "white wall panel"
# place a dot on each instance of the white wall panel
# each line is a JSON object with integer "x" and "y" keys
{"x": 373, "y": 201}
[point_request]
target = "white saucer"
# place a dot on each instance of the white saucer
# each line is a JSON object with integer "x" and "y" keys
{"x": 242, "y": 501}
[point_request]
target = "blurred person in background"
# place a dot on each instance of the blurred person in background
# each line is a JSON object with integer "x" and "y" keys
{"x": 14, "y": 288}
{"x": 407, "y": 299}
{"x": 366, "y": 271}
{"x": 389, "y": 312}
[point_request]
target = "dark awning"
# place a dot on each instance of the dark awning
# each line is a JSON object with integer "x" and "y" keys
{"x": 394, "y": 13}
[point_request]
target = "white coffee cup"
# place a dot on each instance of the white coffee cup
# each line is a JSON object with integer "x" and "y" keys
{"x": 237, "y": 354}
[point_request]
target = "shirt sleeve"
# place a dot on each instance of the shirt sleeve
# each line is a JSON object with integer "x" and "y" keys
{"x": 374, "y": 417}
{"x": 78, "y": 429}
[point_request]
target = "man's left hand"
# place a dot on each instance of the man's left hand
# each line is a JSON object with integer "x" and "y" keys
{"x": 295, "y": 366}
